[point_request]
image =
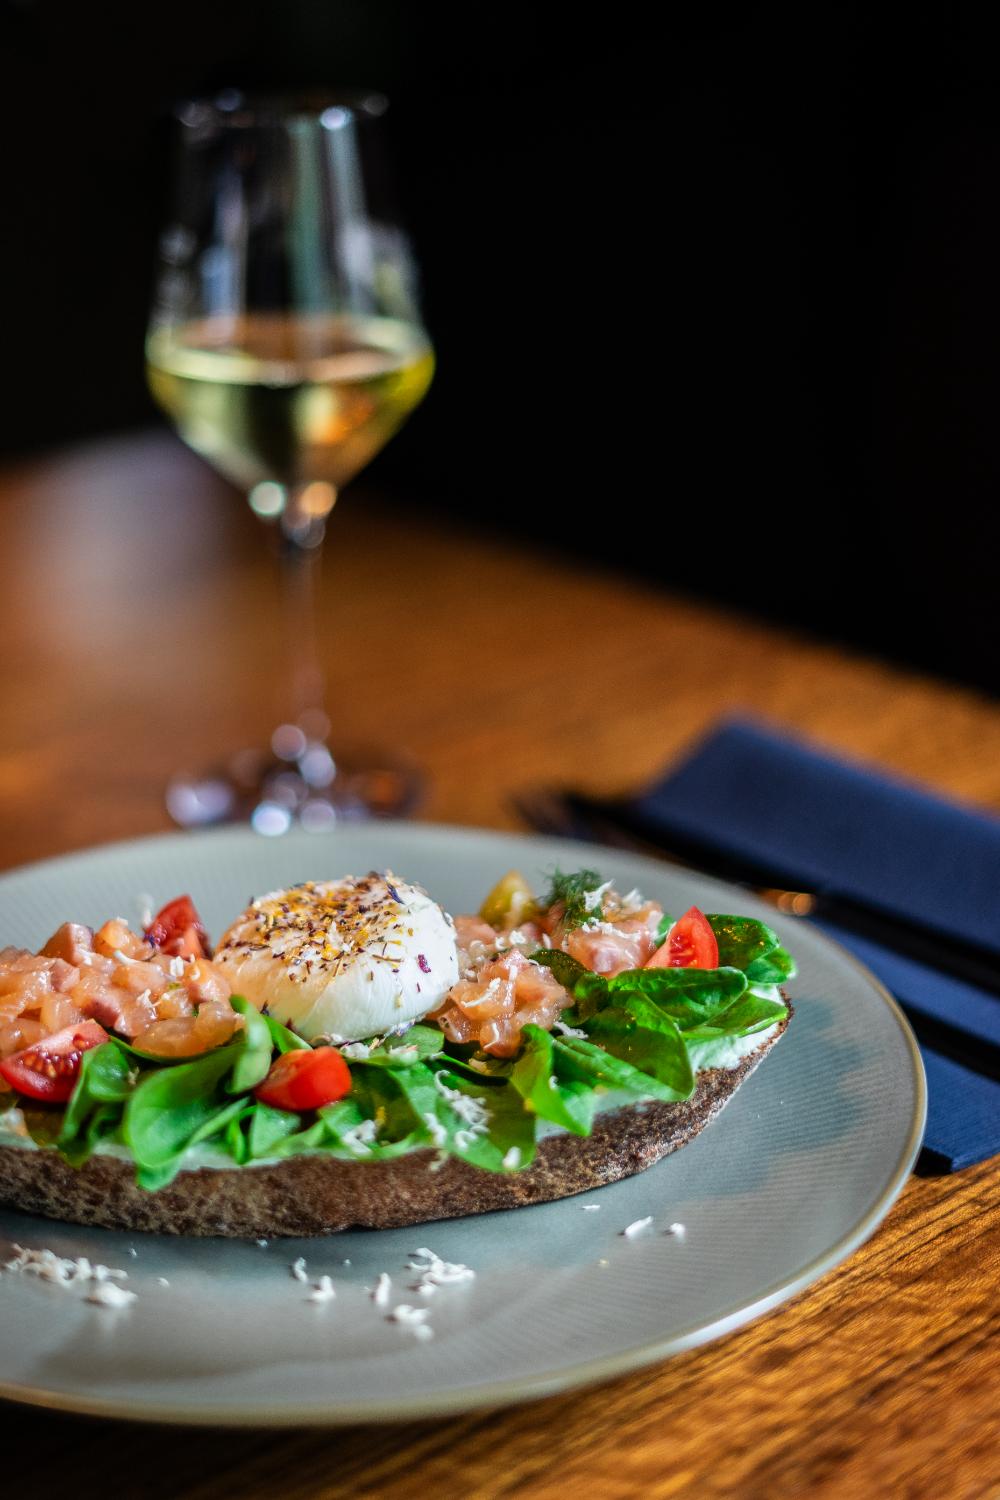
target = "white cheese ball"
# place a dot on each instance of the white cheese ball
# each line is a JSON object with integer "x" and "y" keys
{"x": 342, "y": 959}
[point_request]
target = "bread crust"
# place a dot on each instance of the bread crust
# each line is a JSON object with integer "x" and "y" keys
{"x": 316, "y": 1195}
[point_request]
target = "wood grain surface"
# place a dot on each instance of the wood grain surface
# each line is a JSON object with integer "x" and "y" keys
{"x": 140, "y": 634}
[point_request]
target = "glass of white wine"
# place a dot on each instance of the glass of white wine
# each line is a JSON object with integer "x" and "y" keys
{"x": 286, "y": 347}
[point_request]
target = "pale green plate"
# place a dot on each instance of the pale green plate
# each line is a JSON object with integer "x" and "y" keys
{"x": 796, "y": 1173}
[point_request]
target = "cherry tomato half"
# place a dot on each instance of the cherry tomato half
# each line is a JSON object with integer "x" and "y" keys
{"x": 49, "y": 1069}
{"x": 690, "y": 944}
{"x": 305, "y": 1080}
{"x": 178, "y": 930}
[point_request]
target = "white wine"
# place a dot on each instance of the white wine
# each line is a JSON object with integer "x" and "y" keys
{"x": 289, "y": 397}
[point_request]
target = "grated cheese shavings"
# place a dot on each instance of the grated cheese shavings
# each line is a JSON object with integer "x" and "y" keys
{"x": 102, "y": 1281}
{"x": 110, "y": 1294}
{"x": 636, "y": 1227}
{"x": 414, "y": 1319}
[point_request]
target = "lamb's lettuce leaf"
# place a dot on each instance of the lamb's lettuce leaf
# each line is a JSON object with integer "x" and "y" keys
{"x": 646, "y": 1036}
{"x": 266, "y": 1127}
{"x": 283, "y": 1039}
{"x": 171, "y": 1107}
{"x": 569, "y": 1102}
{"x": 253, "y": 1060}
{"x": 750, "y": 945}
{"x": 688, "y": 995}
{"x": 508, "y": 1140}
{"x": 106, "y": 1078}
{"x": 576, "y": 1058}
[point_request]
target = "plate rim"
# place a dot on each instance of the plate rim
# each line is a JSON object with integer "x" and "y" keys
{"x": 575, "y": 1376}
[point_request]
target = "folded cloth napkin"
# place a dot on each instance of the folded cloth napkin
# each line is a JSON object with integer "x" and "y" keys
{"x": 752, "y": 797}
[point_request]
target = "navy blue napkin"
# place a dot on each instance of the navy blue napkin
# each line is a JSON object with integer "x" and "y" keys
{"x": 752, "y": 794}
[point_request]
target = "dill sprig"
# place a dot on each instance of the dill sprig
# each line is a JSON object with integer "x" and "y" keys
{"x": 573, "y": 892}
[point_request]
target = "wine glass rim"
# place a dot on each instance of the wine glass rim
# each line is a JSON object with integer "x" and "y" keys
{"x": 241, "y": 108}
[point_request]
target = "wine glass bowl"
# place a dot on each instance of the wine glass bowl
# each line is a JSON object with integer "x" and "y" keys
{"x": 286, "y": 346}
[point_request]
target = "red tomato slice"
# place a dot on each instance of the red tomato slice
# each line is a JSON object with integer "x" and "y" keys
{"x": 305, "y": 1080}
{"x": 690, "y": 944}
{"x": 179, "y": 931}
{"x": 50, "y": 1068}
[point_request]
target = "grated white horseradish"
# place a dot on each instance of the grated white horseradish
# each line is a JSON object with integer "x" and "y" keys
{"x": 110, "y": 1294}
{"x": 637, "y": 1226}
{"x": 592, "y": 899}
{"x": 412, "y": 1318}
{"x": 409, "y": 1053}
{"x": 356, "y": 1051}
{"x": 323, "y": 1291}
{"x": 472, "y": 1111}
{"x": 433, "y": 1272}
{"x": 361, "y": 1138}
{"x": 488, "y": 993}
{"x": 101, "y": 1280}
{"x": 565, "y": 1030}
{"x": 438, "y": 1133}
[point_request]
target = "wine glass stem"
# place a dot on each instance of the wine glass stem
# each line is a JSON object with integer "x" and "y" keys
{"x": 300, "y": 533}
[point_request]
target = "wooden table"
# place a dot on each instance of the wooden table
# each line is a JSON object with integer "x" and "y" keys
{"x": 140, "y": 633}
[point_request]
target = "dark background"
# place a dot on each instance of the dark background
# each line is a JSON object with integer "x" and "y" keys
{"x": 715, "y": 292}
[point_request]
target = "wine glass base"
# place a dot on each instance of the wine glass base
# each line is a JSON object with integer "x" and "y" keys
{"x": 316, "y": 792}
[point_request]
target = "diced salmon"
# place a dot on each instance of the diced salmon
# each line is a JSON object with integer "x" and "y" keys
{"x": 506, "y": 995}
{"x": 119, "y": 981}
{"x": 610, "y": 947}
{"x": 116, "y": 937}
{"x": 206, "y": 981}
{"x": 69, "y": 942}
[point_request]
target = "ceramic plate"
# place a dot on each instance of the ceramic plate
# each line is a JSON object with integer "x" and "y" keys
{"x": 795, "y": 1174}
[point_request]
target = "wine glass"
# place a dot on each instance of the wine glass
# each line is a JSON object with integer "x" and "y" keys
{"x": 286, "y": 347}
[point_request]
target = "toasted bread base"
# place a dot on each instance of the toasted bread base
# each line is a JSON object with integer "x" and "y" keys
{"x": 314, "y": 1195}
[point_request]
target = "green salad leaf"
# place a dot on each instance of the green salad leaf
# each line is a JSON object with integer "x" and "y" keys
{"x": 171, "y": 1109}
{"x": 418, "y": 1044}
{"x": 94, "y": 1111}
{"x": 688, "y": 995}
{"x": 646, "y": 1036}
{"x": 253, "y": 1060}
{"x": 750, "y": 945}
{"x": 569, "y": 1102}
{"x": 283, "y": 1039}
{"x": 486, "y": 1125}
{"x": 267, "y": 1127}
{"x": 600, "y": 1069}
